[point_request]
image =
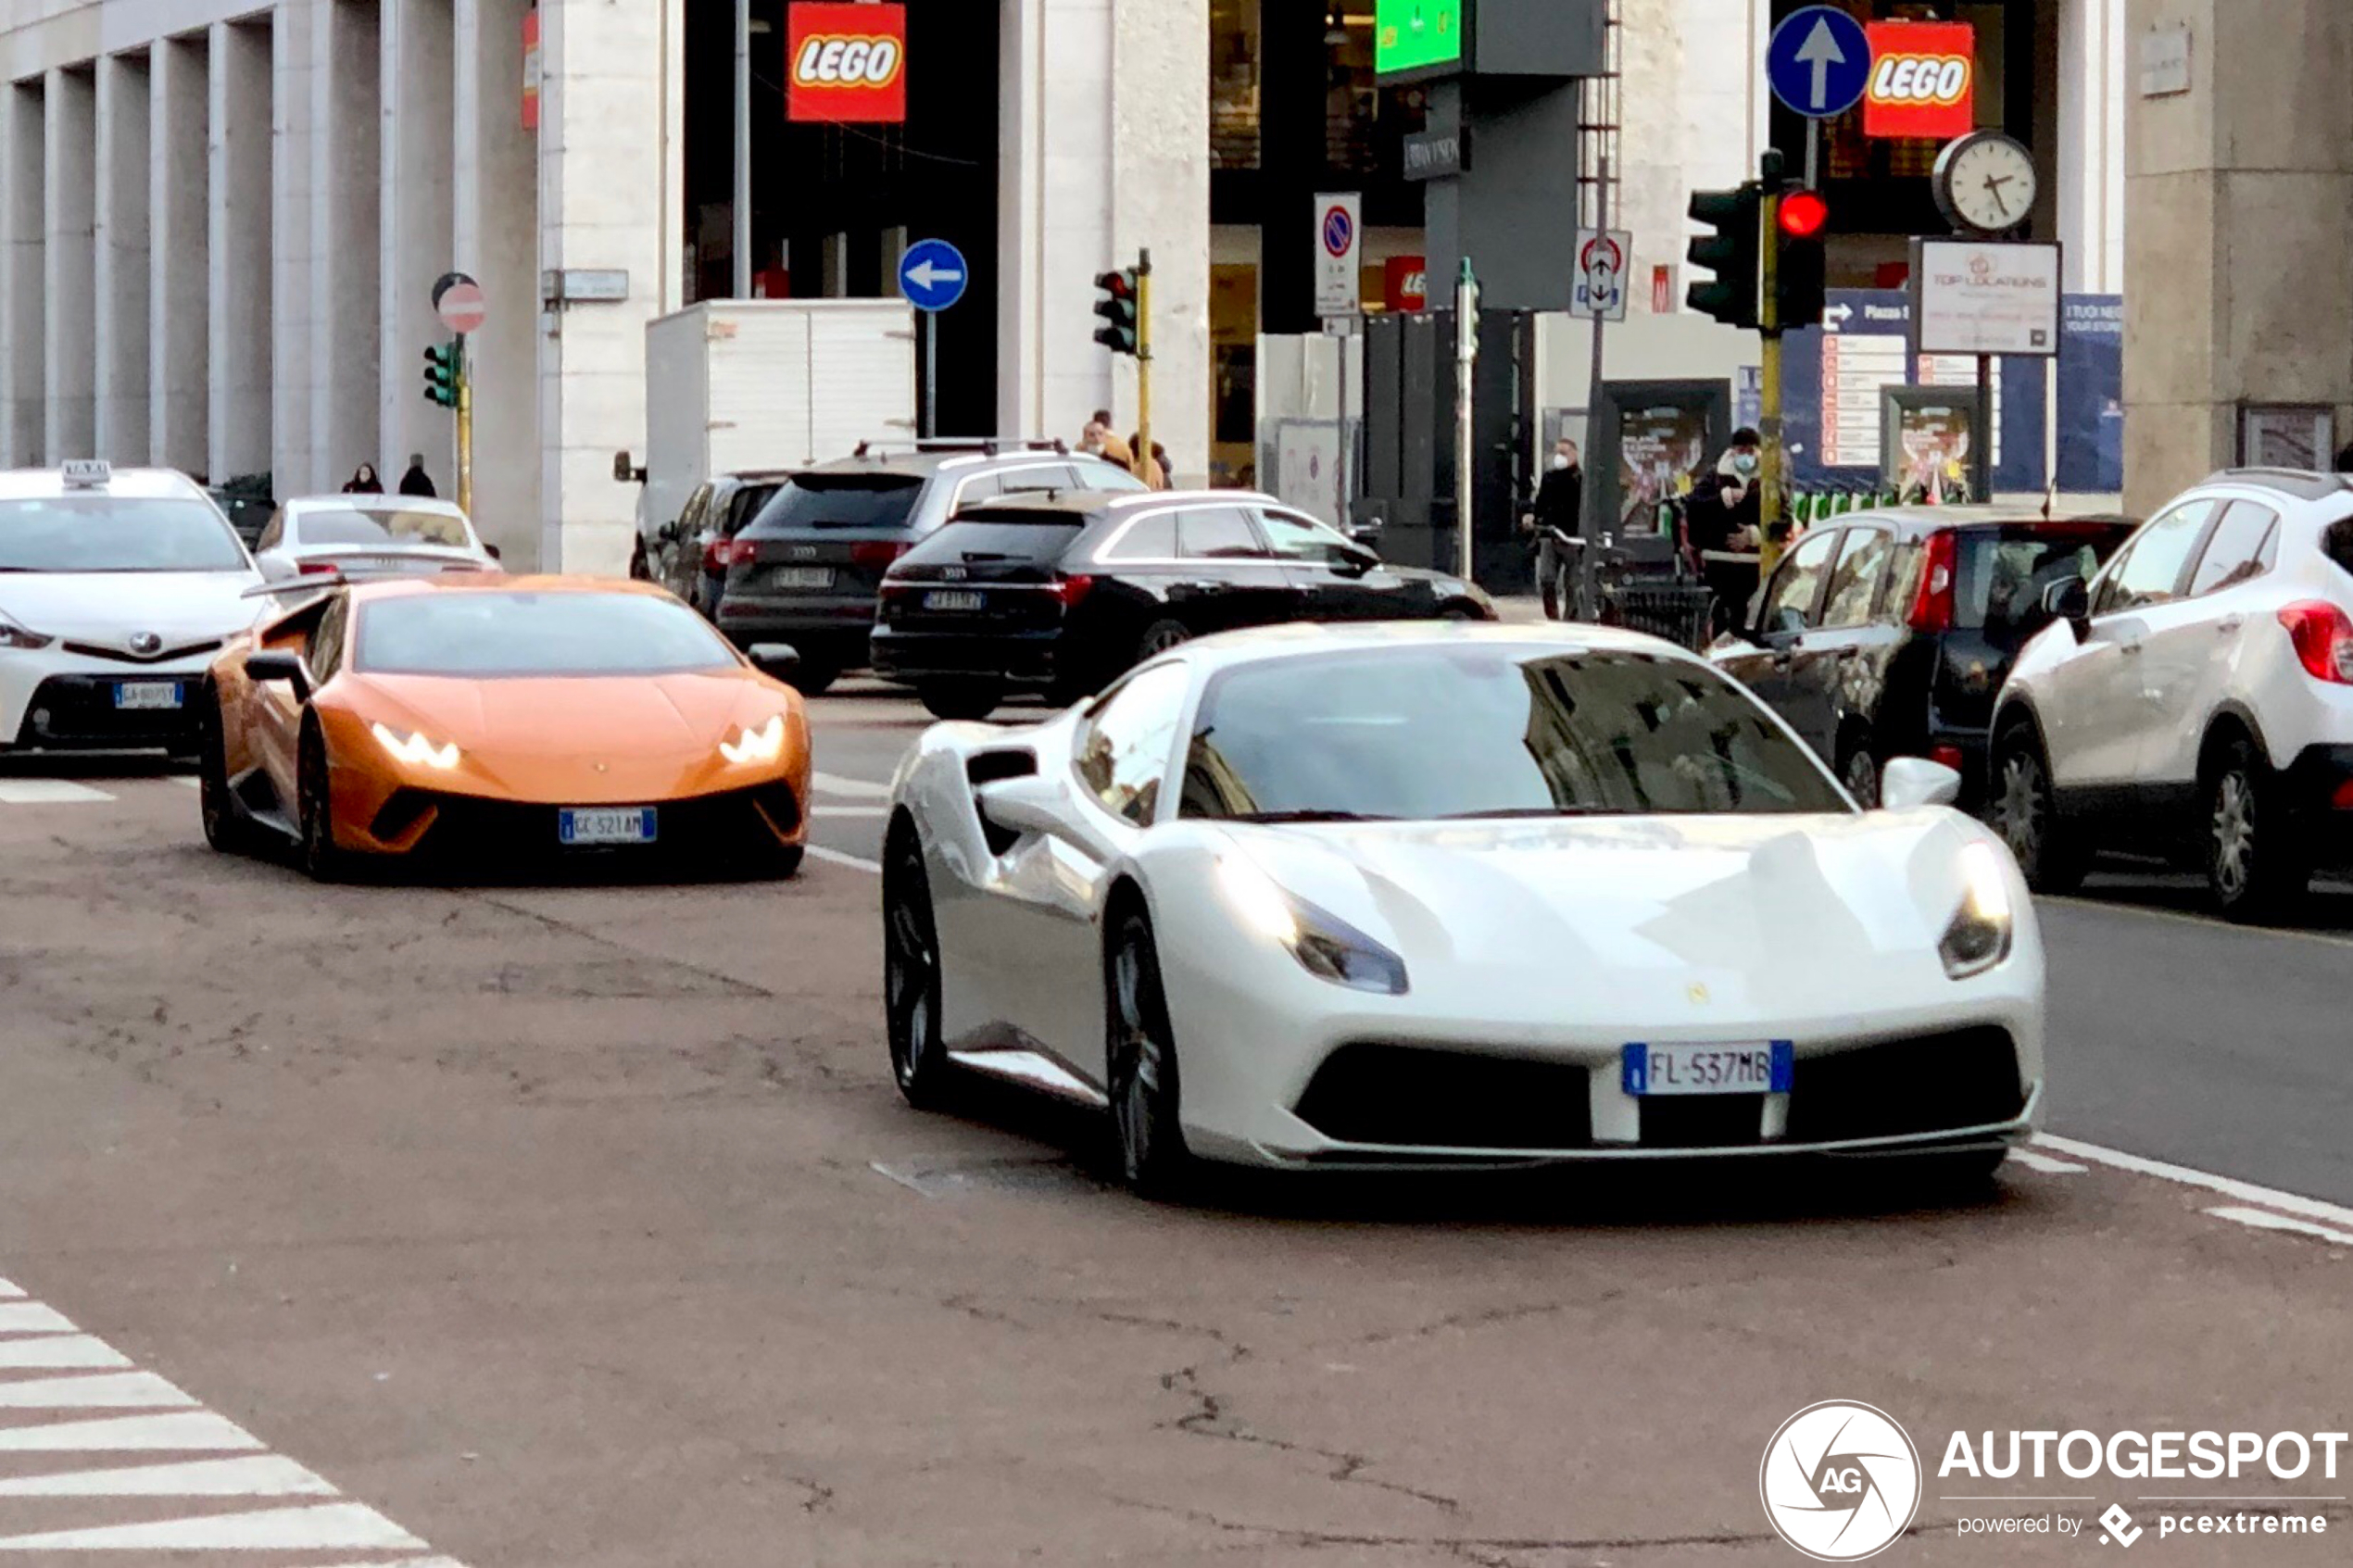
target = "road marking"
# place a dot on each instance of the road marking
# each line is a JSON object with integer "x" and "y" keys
{"x": 836, "y": 783}
{"x": 116, "y": 1390}
{"x": 2204, "y": 921}
{"x": 2045, "y": 1164}
{"x": 347, "y": 1525}
{"x": 2263, "y": 1221}
{"x": 2181, "y": 1176}
{"x": 187, "y": 781}
{"x": 853, "y": 811}
{"x": 194, "y": 1433}
{"x": 10, "y": 1290}
{"x": 48, "y": 792}
{"x": 32, "y": 1317}
{"x": 264, "y": 1475}
{"x": 60, "y": 1352}
{"x": 836, "y": 858}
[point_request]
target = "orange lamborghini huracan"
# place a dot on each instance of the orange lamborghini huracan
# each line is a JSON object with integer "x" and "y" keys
{"x": 475, "y": 718}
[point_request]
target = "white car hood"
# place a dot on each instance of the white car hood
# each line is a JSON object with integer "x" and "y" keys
{"x": 1770, "y": 915}
{"x": 110, "y": 608}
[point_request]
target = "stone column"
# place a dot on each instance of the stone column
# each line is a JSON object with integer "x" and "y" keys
{"x": 344, "y": 250}
{"x": 23, "y": 273}
{"x": 179, "y": 293}
{"x": 123, "y": 239}
{"x": 69, "y": 218}
{"x": 497, "y": 236}
{"x": 2238, "y": 230}
{"x": 240, "y": 321}
{"x": 295, "y": 459}
{"x": 417, "y": 155}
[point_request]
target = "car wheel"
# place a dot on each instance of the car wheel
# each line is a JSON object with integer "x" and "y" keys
{"x": 224, "y": 828}
{"x": 1159, "y": 636}
{"x": 1966, "y": 1174}
{"x": 773, "y": 862}
{"x": 2026, "y": 815}
{"x": 961, "y": 699}
{"x": 322, "y": 859}
{"x": 1142, "y": 1059}
{"x": 1859, "y": 773}
{"x": 814, "y": 680}
{"x": 1461, "y": 610}
{"x": 911, "y": 979}
{"x": 639, "y": 571}
{"x": 2253, "y": 862}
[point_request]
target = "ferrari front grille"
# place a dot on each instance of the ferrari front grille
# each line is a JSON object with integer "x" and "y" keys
{"x": 1924, "y": 1084}
{"x": 1371, "y": 1092}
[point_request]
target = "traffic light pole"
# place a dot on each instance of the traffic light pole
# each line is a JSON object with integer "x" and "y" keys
{"x": 1144, "y": 363}
{"x": 1466, "y": 378}
{"x": 465, "y": 429}
{"x": 1769, "y": 538}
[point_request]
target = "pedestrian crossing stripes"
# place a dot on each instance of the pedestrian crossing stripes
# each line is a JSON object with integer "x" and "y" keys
{"x": 209, "y": 1486}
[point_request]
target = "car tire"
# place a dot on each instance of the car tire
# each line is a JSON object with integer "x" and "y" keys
{"x": 1159, "y": 636}
{"x": 919, "y": 1062}
{"x": 1461, "y": 610}
{"x": 773, "y": 862}
{"x": 814, "y": 679}
{"x": 1145, "y": 1091}
{"x": 225, "y": 827}
{"x": 961, "y": 699}
{"x": 322, "y": 860}
{"x": 639, "y": 569}
{"x": 2255, "y": 866}
{"x": 1858, "y": 771}
{"x": 1967, "y": 1175}
{"x": 2025, "y": 813}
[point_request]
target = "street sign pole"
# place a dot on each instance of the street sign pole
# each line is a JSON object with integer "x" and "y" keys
{"x": 931, "y": 374}
{"x": 1588, "y": 527}
{"x": 465, "y": 429}
{"x": 1466, "y": 363}
{"x": 932, "y": 278}
{"x": 1768, "y": 546}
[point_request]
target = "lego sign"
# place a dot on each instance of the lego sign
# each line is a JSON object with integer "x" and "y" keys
{"x": 1923, "y": 81}
{"x": 846, "y": 63}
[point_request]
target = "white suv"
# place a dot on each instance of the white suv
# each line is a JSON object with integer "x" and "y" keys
{"x": 2195, "y": 700}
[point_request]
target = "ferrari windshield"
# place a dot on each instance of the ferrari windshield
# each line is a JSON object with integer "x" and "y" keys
{"x": 356, "y": 525}
{"x": 485, "y": 634}
{"x": 116, "y": 534}
{"x": 1424, "y": 733}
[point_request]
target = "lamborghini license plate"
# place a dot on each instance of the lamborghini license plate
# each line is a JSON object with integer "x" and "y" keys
{"x": 1763, "y": 1067}
{"x": 585, "y": 826}
{"x": 147, "y": 696}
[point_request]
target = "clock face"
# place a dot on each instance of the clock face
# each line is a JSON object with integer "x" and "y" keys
{"x": 1988, "y": 185}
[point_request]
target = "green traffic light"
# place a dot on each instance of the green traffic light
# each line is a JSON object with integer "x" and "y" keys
{"x": 1731, "y": 254}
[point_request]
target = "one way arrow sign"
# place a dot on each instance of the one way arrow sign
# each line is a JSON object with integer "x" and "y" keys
{"x": 1819, "y": 61}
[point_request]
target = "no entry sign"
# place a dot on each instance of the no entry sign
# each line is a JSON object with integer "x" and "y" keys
{"x": 458, "y": 300}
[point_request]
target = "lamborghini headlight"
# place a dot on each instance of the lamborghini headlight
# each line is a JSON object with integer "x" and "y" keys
{"x": 415, "y": 749}
{"x": 762, "y": 745}
{"x": 1325, "y": 945}
{"x": 1979, "y": 937}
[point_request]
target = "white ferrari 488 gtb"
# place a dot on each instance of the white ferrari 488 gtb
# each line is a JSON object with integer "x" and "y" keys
{"x": 1450, "y": 895}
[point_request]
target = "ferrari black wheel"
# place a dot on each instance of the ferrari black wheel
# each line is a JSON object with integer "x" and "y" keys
{"x": 911, "y": 978}
{"x": 1141, "y": 1054}
{"x": 322, "y": 859}
{"x": 225, "y": 827}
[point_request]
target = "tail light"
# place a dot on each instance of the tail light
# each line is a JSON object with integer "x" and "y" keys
{"x": 875, "y": 555}
{"x": 1932, "y": 607}
{"x": 720, "y": 554}
{"x": 319, "y": 568}
{"x": 2343, "y": 799}
{"x": 1947, "y": 757}
{"x": 1068, "y": 590}
{"x": 2323, "y": 636}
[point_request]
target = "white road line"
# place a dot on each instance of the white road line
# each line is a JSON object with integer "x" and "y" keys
{"x": 11, "y": 1290}
{"x": 2181, "y": 1176}
{"x": 875, "y": 811}
{"x": 834, "y": 856}
{"x": 2045, "y": 1164}
{"x": 48, "y": 792}
{"x": 263, "y": 1475}
{"x": 61, "y": 1352}
{"x": 32, "y": 1317}
{"x": 114, "y": 1391}
{"x": 836, "y": 783}
{"x": 335, "y": 1526}
{"x": 2263, "y": 1221}
{"x": 194, "y": 1432}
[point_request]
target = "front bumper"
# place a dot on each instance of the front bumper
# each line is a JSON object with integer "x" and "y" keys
{"x": 54, "y": 699}
{"x": 428, "y": 825}
{"x": 1021, "y": 658}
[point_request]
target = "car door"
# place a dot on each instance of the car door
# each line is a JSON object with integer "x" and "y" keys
{"x": 1785, "y": 611}
{"x": 1839, "y": 664}
{"x": 1337, "y": 580}
{"x": 2092, "y": 703}
{"x": 1229, "y": 577}
{"x": 2192, "y": 642}
{"x": 276, "y": 731}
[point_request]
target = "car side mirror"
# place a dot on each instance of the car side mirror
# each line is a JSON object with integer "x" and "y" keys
{"x": 667, "y": 534}
{"x": 780, "y": 661}
{"x": 1355, "y": 563}
{"x": 493, "y": 552}
{"x": 268, "y": 666}
{"x": 2070, "y": 600}
{"x": 1366, "y": 534}
{"x": 1027, "y": 804}
{"x": 1909, "y": 782}
{"x": 624, "y": 471}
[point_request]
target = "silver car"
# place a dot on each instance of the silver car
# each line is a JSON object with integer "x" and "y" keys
{"x": 370, "y": 536}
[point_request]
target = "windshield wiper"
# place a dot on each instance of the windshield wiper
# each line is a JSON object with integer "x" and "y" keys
{"x": 1525, "y": 811}
{"x": 1280, "y": 817}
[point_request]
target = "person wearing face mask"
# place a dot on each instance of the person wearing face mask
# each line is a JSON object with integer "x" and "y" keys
{"x": 1723, "y": 516}
{"x": 1559, "y": 506}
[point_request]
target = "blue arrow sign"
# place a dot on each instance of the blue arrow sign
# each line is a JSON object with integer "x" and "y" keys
{"x": 933, "y": 275}
{"x": 1819, "y": 62}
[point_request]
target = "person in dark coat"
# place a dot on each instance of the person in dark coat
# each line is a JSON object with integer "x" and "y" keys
{"x": 416, "y": 481}
{"x": 1559, "y": 504}
{"x": 363, "y": 482}
{"x": 1724, "y": 514}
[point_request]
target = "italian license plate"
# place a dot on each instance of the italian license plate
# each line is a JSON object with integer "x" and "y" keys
{"x": 1763, "y": 1067}
{"x": 954, "y": 598}
{"x": 583, "y": 826}
{"x": 146, "y": 697}
{"x": 803, "y": 577}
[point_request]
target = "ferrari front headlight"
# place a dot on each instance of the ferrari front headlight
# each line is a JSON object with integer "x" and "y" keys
{"x": 1979, "y": 937}
{"x": 762, "y": 745}
{"x": 415, "y": 749}
{"x": 1325, "y": 946}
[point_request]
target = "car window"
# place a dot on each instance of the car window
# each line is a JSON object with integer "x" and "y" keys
{"x": 1217, "y": 532}
{"x": 839, "y": 500}
{"x": 1855, "y": 585}
{"x": 2336, "y": 543}
{"x": 1094, "y": 474}
{"x": 1150, "y": 539}
{"x": 87, "y": 532}
{"x": 1001, "y": 533}
{"x": 973, "y": 491}
{"x": 2240, "y": 549}
{"x": 325, "y": 652}
{"x": 1035, "y": 478}
{"x": 1297, "y": 538}
{"x": 484, "y": 634}
{"x": 1125, "y": 743}
{"x": 690, "y": 515}
{"x": 746, "y": 505}
{"x": 376, "y": 525}
{"x": 274, "y": 533}
{"x": 1790, "y": 604}
{"x": 2151, "y": 573}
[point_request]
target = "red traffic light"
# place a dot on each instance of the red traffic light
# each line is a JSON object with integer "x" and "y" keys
{"x": 1119, "y": 285}
{"x": 1804, "y": 214}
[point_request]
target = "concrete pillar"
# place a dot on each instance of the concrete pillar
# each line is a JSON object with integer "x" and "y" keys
{"x": 2240, "y": 221}
{"x": 2093, "y": 44}
{"x": 608, "y": 199}
{"x": 179, "y": 292}
{"x": 418, "y": 60}
{"x": 23, "y": 274}
{"x": 297, "y": 461}
{"x": 346, "y": 173}
{"x": 239, "y": 320}
{"x": 123, "y": 147}
{"x": 69, "y": 218}
{"x": 497, "y": 241}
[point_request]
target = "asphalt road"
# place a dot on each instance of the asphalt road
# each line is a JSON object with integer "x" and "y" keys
{"x": 579, "y": 1225}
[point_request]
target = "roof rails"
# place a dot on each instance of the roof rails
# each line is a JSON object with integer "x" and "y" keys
{"x": 2305, "y": 485}
{"x": 989, "y": 446}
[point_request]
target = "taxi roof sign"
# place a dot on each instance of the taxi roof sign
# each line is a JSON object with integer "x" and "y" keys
{"x": 87, "y": 473}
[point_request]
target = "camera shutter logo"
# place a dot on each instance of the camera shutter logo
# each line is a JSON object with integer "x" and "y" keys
{"x": 1841, "y": 1481}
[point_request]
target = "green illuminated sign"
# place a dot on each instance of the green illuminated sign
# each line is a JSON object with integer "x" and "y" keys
{"x": 1424, "y": 36}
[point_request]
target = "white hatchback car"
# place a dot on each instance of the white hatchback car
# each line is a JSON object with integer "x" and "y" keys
{"x": 2194, "y": 699}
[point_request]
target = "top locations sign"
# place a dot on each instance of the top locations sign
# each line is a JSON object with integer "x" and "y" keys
{"x": 1971, "y": 296}
{"x": 1417, "y": 37}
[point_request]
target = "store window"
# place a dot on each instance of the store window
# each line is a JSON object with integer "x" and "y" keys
{"x": 1233, "y": 83}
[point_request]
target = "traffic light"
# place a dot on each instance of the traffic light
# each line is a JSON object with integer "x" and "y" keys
{"x": 1731, "y": 254}
{"x": 444, "y": 365}
{"x": 1118, "y": 308}
{"x": 1801, "y": 221}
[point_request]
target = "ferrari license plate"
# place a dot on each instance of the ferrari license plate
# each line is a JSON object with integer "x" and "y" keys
{"x": 802, "y": 577}
{"x": 954, "y": 598}
{"x": 1764, "y": 1067}
{"x": 585, "y": 826}
{"x": 147, "y": 696}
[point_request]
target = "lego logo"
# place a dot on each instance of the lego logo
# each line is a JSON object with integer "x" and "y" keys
{"x": 1920, "y": 79}
{"x": 848, "y": 62}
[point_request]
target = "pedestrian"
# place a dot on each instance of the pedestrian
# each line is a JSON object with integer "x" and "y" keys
{"x": 1114, "y": 450}
{"x": 1098, "y": 432}
{"x": 1722, "y": 515}
{"x": 2345, "y": 461}
{"x": 363, "y": 482}
{"x": 1558, "y": 510}
{"x": 416, "y": 481}
{"x": 1154, "y": 467}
